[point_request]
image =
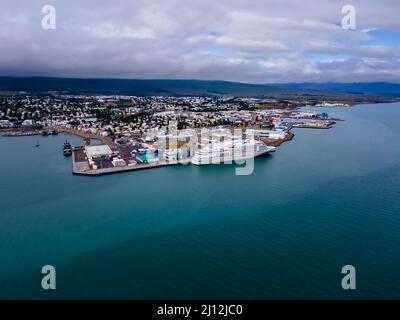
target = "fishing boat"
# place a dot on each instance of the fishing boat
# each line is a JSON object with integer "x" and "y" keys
{"x": 67, "y": 148}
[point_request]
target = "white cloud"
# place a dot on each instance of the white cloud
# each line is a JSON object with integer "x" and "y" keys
{"x": 109, "y": 30}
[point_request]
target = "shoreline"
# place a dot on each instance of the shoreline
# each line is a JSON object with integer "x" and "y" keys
{"x": 81, "y": 167}
{"x": 86, "y": 136}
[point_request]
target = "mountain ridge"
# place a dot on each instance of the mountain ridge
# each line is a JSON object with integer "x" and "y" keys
{"x": 181, "y": 87}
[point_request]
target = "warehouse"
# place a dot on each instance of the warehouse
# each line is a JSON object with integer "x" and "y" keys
{"x": 98, "y": 151}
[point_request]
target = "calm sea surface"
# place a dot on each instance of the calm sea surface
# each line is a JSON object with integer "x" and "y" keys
{"x": 324, "y": 200}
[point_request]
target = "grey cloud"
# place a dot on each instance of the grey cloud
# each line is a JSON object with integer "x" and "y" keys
{"x": 250, "y": 41}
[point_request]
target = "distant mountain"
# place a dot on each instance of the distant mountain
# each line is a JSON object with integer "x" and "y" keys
{"x": 198, "y": 87}
{"x": 141, "y": 87}
{"x": 366, "y": 88}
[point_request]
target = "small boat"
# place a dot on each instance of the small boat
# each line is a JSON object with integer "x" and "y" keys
{"x": 37, "y": 145}
{"x": 67, "y": 148}
{"x": 54, "y": 132}
{"x": 45, "y": 133}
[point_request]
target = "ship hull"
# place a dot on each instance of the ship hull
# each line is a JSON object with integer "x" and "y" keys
{"x": 227, "y": 159}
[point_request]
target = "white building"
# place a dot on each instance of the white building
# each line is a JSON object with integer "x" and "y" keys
{"x": 5, "y": 124}
{"x": 98, "y": 151}
{"x": 270, "y": 134}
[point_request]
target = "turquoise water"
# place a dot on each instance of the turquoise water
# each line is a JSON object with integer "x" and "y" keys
{"x": 326, "y": 199}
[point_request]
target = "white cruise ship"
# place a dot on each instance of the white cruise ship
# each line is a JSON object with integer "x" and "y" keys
{"x": 227, "y": 152}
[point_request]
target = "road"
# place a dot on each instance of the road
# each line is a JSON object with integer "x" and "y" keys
{"x": 85, "y": 135}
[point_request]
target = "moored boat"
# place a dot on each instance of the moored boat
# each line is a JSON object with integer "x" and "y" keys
{"x": 67, "y": 148}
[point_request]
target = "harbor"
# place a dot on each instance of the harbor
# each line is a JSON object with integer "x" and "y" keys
{"x": 160, "y": 148}
{"x": 306, "y": 190}
{"x": 199, "y": 159}
{"x": 174, "y": 137}
{"x": 95, "y": 160}
{"x": 145, "y": 153}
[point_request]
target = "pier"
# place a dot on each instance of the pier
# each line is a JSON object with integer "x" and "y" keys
{"x": 80, "y": 165}
{"x": 87, "y": 136}
{"x": 313, "y": 125}
{"x": 277, "y": 143}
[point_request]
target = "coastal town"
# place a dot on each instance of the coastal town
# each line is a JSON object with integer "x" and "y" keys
{"x": 124, "y": 133}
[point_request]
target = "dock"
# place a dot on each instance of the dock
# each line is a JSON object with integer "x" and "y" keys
{"x": 87, "y": 136}
{"x": 19, "y": 133}
{"x": 277, "y": 143}
{"x": 84, "y": 165}
{"x": 314, "y": 125}
{"x": 80, "y": 165}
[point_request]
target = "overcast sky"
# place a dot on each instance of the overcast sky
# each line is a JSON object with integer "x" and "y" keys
{"x": 258, "y": 41}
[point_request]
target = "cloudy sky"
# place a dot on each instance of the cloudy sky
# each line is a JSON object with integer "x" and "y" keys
{"x": 258, "y": 41}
